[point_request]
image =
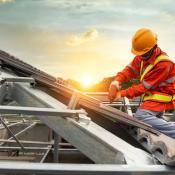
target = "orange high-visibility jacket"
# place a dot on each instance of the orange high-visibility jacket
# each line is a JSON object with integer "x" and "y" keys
{"x": 160, "y": 80}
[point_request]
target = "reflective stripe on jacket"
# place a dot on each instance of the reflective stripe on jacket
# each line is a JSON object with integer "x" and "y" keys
{"x": 157, "y": 96}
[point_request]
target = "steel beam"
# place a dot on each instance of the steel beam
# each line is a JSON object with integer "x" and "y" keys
{"x": 40, "y": 111}
{"x": 92, "y": 140}
{"x": 56, "y": 147}
{"x": 34, "y": 142}
{"x": 29, "y": 142}
{"x": 3, "y": 92}
{"x": 19, "y": 79}
{"x": 83, "y": 169}
{"x": 36, "y": 148}
{"x": 27, "y": 149}
{"x": 18, "y": 158}
{"x": 46, "y": 154}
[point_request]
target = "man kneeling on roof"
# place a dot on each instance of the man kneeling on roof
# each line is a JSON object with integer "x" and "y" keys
{"x": 157, "y": 81}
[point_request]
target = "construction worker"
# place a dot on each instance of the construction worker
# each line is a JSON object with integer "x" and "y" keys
{"x": 157, "y": 81}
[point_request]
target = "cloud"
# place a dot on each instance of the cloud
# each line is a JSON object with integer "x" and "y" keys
{"x": 6, "y": 1}
{"x": 76, "y": 40}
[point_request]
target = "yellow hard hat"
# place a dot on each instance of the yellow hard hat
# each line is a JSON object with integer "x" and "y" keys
{"x": 143, "y": 41}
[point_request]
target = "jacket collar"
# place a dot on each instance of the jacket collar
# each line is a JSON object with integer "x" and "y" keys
{"x": 156, "y": 53}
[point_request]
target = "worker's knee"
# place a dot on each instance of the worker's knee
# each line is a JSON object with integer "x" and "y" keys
{"x": 141, "y": 114}
{"x": 150, "y": 117}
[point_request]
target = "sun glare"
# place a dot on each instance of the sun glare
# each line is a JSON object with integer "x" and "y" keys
{"x": 86, "y": 80}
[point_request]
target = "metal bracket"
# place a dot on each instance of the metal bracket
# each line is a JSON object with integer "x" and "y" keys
{"x": 127, "y": 107}
{"x": 83, "y": 119}
{"x": 17, "y": 79}
{"x": 73, "y": 101}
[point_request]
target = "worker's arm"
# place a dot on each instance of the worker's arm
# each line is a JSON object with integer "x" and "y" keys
{"x": 151, "y": 80}
{"x": 132, "y": 70}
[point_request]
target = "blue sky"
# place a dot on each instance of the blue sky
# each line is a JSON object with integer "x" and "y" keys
{"x": 72, "y": 39}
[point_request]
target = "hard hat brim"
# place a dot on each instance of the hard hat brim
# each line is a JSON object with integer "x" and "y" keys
{"x": 139, "y": 52}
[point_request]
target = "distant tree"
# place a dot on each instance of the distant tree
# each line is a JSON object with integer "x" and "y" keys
{"x": 102, "y": 86}
{"x": 74, "y": 84}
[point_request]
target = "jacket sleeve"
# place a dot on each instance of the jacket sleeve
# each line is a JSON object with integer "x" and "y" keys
{"x": 151, "y": 80}
{"x": 129, "y": 72}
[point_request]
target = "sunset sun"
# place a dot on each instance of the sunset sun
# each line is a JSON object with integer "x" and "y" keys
{"x": 86, "y": 80}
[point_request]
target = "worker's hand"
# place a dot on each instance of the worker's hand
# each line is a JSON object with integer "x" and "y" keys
{"x": 118, "y": 96}
{"x": 113, "y": 89}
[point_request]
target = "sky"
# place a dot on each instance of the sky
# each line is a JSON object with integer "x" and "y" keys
{"x": 82, "y": 38}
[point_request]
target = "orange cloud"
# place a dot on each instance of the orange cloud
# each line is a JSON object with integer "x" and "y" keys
{"x": 6, "y": 1}
{"x": 76, "y": 40}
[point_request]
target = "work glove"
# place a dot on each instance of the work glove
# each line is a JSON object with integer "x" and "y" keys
{"x": 114, "y": 90}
